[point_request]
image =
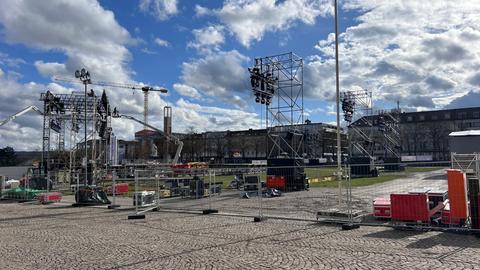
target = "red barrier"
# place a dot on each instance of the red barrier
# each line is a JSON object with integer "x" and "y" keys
{"x": 410, "y": 207}
{"x": 119, "y": 188}
{"x": 457, "y": 195}
{"x": 49, "y": 197}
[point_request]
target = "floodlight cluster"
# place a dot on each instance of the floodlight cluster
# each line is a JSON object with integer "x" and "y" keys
{"x": 263, "y": 85}
{"x": 348, "y": 106}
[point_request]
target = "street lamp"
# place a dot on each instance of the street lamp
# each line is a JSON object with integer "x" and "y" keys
{"x": 84, "y": 77}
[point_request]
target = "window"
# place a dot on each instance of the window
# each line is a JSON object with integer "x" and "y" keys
{"x": 447, "y": 115}
{"x": 434, "y": 117}
{"x": 476, "y": 114}
{"x": 422, "y": 117}
{"x": 409, "y": 119}
{"x": 462, "y": 115}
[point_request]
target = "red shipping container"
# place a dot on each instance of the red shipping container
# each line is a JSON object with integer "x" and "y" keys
{"x": 277, "y": 182}
{"x": 410, "y": 207}
{"x": 382, "y": 208}
{"x": 457, "y": 194}
{"x": 119, "y": 189}
{"x": 49, "y": 197}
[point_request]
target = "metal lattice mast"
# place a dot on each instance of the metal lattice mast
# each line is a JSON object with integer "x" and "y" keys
{"x": 61, "y": 136}
{"x": 277, "y": 82}
{"x": 46, "y": 139}
{"x": 145, "y": 108}
{"x": 361, "y": 129}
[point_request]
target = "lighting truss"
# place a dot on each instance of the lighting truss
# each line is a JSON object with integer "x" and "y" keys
{"x": 358, "y": 110}
{"x": 277, "y": 82}
{"x": 65, "y": 111}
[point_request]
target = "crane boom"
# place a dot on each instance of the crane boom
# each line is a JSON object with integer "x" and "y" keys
{"x": 22, "y": 112}
{"x": 176, "y": 140}
{"x": 145, "y": 88}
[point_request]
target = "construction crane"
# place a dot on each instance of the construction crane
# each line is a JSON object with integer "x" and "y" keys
{"x": 22, "y": 112}
{"x": 170, "y": 137}
{"x": 144, "y": 88}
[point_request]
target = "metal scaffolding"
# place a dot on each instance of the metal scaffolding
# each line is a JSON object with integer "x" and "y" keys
{"x": 277, "y": 81}
{"x": 388, "y": 125}
{"x": 65, "y": 111}
{"x": 361, "y": 130}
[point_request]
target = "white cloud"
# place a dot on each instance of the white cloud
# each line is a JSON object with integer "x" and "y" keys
{"x": 207, "y": 39}
{"x": 186, "y": 90}
{"x": 220, "y": 75}
{"x": 6, "y": 60}
{"x": 212, "y": 118}
{"x": 418, "y": 52}
{"x": 201, "y": 11}
{"x": 161, "y": 9}
{"x": 26, "y": 131}
{"x": 161, "y": 42}
{"x": 148, "y": 51}
{"x": 40, "y": 26}
{"x": 52, "y": 68}
{"x": 250, "y": 19}
{"x": 83, "y": 30}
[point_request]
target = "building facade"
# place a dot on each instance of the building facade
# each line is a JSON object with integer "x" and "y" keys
{"x": 424, "y": 135}
{"x": 243, "y": 146}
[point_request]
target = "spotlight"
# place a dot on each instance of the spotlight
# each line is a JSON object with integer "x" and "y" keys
{"x": 263, "y": 99}
{"x": 257, "y": 97}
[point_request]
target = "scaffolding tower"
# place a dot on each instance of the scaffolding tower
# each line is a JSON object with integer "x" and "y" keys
{"x": 359, "y": 113}
{"x": 389, "y": 127}
{"x": 65, "y": 111}
{"x": 277, "y": 82}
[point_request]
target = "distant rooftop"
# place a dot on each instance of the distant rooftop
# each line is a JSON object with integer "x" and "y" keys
{"x": 465, "y": 133}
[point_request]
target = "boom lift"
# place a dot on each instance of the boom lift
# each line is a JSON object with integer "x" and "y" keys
{"x": 22, "y": 112}
{"x": 176, "y": 140}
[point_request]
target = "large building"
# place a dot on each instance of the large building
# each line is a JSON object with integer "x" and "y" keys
{"x": 424, "y": 135}
{"x": 241, "y": 146}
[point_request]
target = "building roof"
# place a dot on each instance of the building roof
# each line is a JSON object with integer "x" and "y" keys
{"x": 427, "y": 116}
{"x": 147, "y": 132}
{"x": 465, "y": 133}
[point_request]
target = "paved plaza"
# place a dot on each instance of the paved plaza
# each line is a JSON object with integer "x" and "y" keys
{"x": 59, "y": 236}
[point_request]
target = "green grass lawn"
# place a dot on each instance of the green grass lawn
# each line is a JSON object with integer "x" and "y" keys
{"x": 321, "y": 173}
{"x": 227, "y": 179}
{"x": 357, "y": 182}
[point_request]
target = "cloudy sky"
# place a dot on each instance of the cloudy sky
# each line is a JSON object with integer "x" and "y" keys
{"x": 425, "y": 54}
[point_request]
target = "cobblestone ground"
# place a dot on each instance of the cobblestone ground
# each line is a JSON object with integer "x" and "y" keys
{"x": 62, "y": 237}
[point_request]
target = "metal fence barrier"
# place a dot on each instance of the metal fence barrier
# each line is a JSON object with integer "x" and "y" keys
{"x": 427, "y": 195}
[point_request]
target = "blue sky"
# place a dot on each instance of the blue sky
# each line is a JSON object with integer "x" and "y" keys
{"x": 422, "y": 53}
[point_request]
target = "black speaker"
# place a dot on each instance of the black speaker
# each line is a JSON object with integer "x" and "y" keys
{"x": 292, "y": 169}
{"x": 473, "y": 192}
